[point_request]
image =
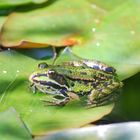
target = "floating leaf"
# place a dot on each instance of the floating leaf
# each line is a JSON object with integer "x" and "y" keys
{"x": 61, "y": 23}
{"x": 15, "y": 70}
{"x": 2, "y": 20}
{"x": 12, "y": 127}
{"x": 106, "y": 5}
{"x": 116, "y": 41}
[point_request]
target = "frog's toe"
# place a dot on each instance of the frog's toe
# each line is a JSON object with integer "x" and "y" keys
{"x": 50, "y": 103}
{"x": 56, "y": 102}
{"x": 32, "y": 88}
{"x": 90, "y": 104}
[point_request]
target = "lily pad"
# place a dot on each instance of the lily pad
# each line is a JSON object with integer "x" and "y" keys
{"x": 61, "y": 23}
{"x": 109, "y": 33}
{"x": 116, "y": 41}
{"x": 106, "y": 5}
{"x": 15, "y": 70}
{"x": 12, "y": 127}
{"x": 2, "y": 20}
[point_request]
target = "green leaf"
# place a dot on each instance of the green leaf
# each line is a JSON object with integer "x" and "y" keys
{"x": 15, "y": 70}
{"x": 59, "y": 24}
{"x": 106, "y": 5}
{"x": 2, "y": 20}
{"x": 109, "y": 33}
{"x": 12, "y": 127}
{"x": 116, "y": 41}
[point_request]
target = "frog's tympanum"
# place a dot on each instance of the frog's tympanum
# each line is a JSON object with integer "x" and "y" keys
{"x": 92, "y": 79}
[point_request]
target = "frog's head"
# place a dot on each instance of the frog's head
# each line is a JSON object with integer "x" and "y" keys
{"x": 47, "y": 78}
{"x": 42, "y": 74}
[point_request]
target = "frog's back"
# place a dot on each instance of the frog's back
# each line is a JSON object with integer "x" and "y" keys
{"x": 83, "y": 73}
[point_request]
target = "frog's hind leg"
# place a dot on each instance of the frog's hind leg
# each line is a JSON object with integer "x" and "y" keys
{"x": 100, "y": 98}
{"x": 102, "y": 101}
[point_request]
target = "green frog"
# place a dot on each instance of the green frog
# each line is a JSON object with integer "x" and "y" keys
{"x": 92, "y": 79}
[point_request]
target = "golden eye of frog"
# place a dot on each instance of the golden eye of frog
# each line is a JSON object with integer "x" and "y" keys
{"x": 93, "y": 79}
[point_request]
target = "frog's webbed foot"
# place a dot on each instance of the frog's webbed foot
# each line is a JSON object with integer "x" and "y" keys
{"x": 33, "y": 88}
{"x": 96, "y": 103}
{"x": 56, "y": 102}
{"x": 103, "y": 100}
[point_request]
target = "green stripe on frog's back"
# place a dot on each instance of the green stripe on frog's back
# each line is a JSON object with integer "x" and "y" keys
{"x": 80, "y": 87}
{"x": 83, "y": 73}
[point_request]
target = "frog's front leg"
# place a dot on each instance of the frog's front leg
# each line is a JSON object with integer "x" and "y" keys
{"x": 33, "y": 88}
{"x": 58, "y": 100}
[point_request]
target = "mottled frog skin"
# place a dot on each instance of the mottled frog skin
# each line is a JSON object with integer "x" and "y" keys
{"x": 93, "y": 79}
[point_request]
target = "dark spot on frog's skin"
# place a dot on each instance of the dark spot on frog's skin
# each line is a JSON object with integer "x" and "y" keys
{"x": 82, "y": 67}
{"x": 80, "y": 82}
{"x": 48, "y": 87}
{"x": 102, "y": 75}
{"x": 94, "y": 84}
{"x": 54, "y": 85}
{"x": 97, "y": 82}
{"x": 86, "y": 82}
{"x": 83, "y": 73}
{"x": 110, "y": 70}
{"x": 43, "y": 82}
{"x": 72, "y": 84}
{"x": 96, "y": 67}
{"x": 81, "y": 93}
{"x": 63, "y": 91}
{"x": 105, "y": 84}
{"x": 94, "y": 76}
{"x": 70, "y": 71}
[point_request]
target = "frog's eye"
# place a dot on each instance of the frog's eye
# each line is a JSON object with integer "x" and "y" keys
{"x": 42, "y": 65}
